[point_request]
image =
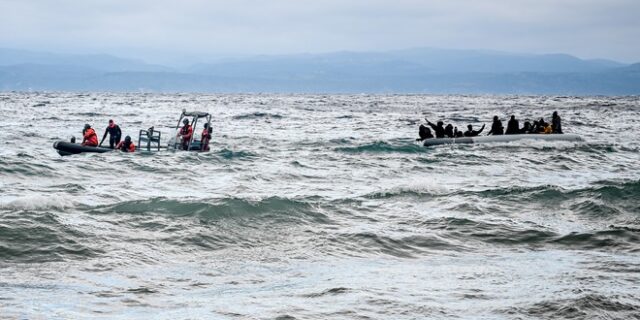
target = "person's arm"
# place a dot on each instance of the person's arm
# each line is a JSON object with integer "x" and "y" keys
{"x": 480, "y": 131}
{"x": 119, "y": 132}
{"x": 104, "y": 136}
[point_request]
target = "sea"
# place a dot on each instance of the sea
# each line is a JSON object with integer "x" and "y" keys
{"x": 319, "y": 207}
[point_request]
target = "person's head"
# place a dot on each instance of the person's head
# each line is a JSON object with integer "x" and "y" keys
{"x": 440, "y": 123}
{"x": 185, "y": 121}
{"x": 495, "y": 118}
{"x": 110, "y": 121}
{"x": 513, "y": 117}
{"x": 470, "y": 127}
{"x": 555, "y": 114}
{"x": 87, "y": 126}
{"x": 127, "y": 139}
{"x": 527, "y": 124}
{"x": 206, "y": 125}
{"x": 449, "y": 125}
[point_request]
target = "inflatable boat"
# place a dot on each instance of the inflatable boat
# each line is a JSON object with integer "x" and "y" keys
{"x": 503, "y": 138}
{"x": 65, "y": 148}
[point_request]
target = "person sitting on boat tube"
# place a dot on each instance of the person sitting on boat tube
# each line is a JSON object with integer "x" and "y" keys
{"x": 185, "y": 134}
{"x": 114, "y": 134}
{"x": 89, "y": 136}
{"x": 424, "y": 133}
{"x": 496, "y": 127}
{"x": 206, "y": 137}
{"x": 472, "y": 133}
{"x": 127, "y": 145}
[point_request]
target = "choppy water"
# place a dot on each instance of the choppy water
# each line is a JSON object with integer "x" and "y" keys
{"x": 321, "y": 207}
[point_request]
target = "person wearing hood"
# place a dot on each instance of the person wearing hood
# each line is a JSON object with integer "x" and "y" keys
{"x": 114, "y": 134}
{"x": 513, "y": 127}
{"x": 89, "y": 136}
{"x": 496, "y": 127}
{"x": 556, "y": 124}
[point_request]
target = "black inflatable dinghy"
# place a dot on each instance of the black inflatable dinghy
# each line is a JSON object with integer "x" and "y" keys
{"x": 67, "y": 148}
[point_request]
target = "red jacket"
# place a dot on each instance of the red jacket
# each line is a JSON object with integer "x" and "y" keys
{"x": 121, "y": 147}
{"x": 90, "y": 138}
{"x": 186, "y": 132}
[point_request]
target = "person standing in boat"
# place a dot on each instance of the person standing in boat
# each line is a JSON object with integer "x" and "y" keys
{"x": 472, "y": 133}
{"x": 556, "y": 124}
{"x": 496, "y": 127}
{"x": 185, "y": 134}
{"x": 513, "y": 126}
{"x": 206, "y": 137}
{"x": 89, "y": 136}
{"x": 127, "y": 145}
{"x": 114, "y": 134}
{"x": 438, "y": 129}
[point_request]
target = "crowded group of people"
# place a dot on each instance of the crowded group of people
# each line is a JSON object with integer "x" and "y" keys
{"x": 90, "y": 138}
{"x": 513, "y": 127}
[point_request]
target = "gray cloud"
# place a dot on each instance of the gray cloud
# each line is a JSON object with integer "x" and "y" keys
{"x": 586, "y": 28}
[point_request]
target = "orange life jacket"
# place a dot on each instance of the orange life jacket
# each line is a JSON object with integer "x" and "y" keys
{"x": 90, "y": 137}
{"x": 122, "y": 147}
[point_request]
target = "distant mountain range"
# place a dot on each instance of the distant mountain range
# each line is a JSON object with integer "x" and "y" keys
{"x": 420, "y": 70}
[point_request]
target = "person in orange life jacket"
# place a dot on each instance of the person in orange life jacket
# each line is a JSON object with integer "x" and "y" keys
{"x": 185, "y": 133}
{"x": 114, "y": 134}
{"x": 206, "y": 137}
{"x": 89, "y": 137}
{"x": 127, "y": 145}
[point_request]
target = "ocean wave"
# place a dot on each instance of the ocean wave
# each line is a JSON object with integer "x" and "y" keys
{"x": 273, "y": 209}
{"x": 40, "y": 237}
{"x": 585, "y": 306}
{"x": 383, "y": 147}
{"x": 37, "y": 203}
{"x": 530, "y": 235}
{"x": 257, "y": 115}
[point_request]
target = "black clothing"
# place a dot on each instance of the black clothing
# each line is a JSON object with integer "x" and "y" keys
{"x": 473, "y": 133}
{"x": 424, "y": 133}
{"x": 114, "y": 135}
{"x": 496, "y": 128}
{"x": 556, "y": 125}
{"x": 448, "y": 131}
{"x": 513, "y": 127}
{"x": 439, "y": 130}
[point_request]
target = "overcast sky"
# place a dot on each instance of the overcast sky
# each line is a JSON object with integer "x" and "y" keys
{"x": 160, "y": 28}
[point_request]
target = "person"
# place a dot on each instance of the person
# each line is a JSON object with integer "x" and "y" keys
{"x": 457, "y": 134}
{"x": 126, "y": 145}
{"x": 472, "y": 133}
{"x": 438, "y": 129}
{"x": 547, "y": 128}
{"x": 527, "y": 128}
{"x": 541, "y": 125}
{"x": 556, "y": 123}
{"x": 513, "y": 127}
{"x": 496, "y": 127}
{"x": 424, "y": 133}
{"x": 114, "y": 134}
{"x": 185, "y": 134}
{"x": 206, "y": 137}
{"x": 89, "y": 136}
{"x": 448, "y": 131}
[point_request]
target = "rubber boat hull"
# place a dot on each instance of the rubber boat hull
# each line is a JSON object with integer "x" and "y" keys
{"x": 65, "y": 148}
{"x": 503, "y": 138}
